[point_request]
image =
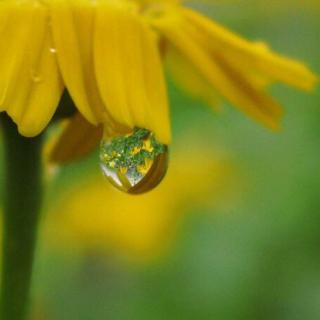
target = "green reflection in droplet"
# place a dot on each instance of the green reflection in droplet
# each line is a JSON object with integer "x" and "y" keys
{"x": 134, "y": 163}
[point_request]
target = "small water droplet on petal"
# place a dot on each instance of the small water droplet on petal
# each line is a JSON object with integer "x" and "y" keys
{"x": 35, "y": 76}
{"x": 134, "y": 163}
{"x": 53, "y": 50}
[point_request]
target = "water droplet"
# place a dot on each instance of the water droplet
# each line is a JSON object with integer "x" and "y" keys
{"x": 135, "y": 163}
{"x": 35, "y": 76}
{"x": 53, "y": 50}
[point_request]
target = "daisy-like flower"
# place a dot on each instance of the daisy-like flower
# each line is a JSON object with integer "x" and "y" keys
{"x": 109, "y": 54}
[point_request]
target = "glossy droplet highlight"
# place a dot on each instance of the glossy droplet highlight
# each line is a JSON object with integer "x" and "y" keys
{"x": 134, "y": 163}
{"x": 35, "y": 76}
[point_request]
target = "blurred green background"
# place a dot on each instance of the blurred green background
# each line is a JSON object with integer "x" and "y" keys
{"x": 257, "y": 256}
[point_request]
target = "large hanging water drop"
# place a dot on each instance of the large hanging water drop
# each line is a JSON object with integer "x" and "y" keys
{"x": 135, "y": 163}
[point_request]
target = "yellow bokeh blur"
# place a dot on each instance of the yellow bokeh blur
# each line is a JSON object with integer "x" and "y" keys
{"x": 92, "y": 215}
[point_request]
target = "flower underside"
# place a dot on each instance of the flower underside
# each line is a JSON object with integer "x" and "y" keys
{"x": 109, "y": 55}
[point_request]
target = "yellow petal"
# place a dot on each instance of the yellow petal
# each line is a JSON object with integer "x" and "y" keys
{"x": 33, "y": 87}
{"x": 156, "y": 88}
{"x": 228, "y": 81}
{"x": 45, "y": 93}
{"x": 4, "y": 14}
{"x": 77, "y": 140}
{"x": 14, "y": 35}
{"x": 250, "y": 54}
{"x": 256, "y": 96}
{"x": 128, "y": 69}
{"x": 72, "y": 23}
{"x": 190, "y": 80}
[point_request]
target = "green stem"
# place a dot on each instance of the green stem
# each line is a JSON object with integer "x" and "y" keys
{"x": 22, "y": 202}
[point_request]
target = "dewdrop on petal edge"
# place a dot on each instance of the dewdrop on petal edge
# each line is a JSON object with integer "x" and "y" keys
{"x": 134, "y": 163}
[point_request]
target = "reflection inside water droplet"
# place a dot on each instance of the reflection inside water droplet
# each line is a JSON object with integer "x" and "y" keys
{"x": 134, "y": 163}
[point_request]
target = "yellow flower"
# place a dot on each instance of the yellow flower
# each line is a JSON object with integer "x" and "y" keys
{"x": 108, "y": 54}
{"x": 92, "y": 215}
